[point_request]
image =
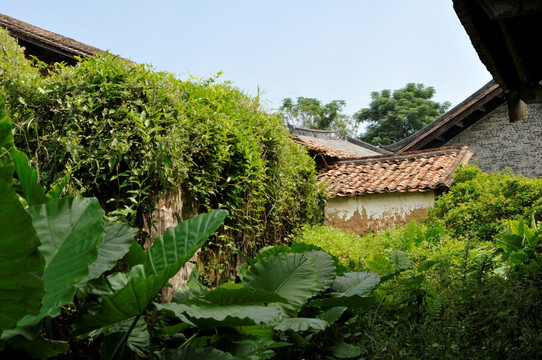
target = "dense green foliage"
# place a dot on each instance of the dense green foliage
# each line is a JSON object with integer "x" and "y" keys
{"x": 127, "y": 134}
{"x": 392, "y": 116}
{"x": 294, "y": 294}
{"x": 311, "y": 113}
{"x": 479, "y": 204}
{"x": 473, "y": 290}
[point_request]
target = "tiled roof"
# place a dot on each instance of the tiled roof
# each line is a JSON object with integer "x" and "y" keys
{"x": 333, "y": 145}
{"x": 323, "y": 150}
{"x": 414, "y": 171}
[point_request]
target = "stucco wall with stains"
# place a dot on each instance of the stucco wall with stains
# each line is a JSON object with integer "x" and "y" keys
{"x": 377, "y": 212}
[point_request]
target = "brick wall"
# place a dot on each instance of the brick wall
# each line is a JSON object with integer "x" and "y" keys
{"x": 497, "y": 143}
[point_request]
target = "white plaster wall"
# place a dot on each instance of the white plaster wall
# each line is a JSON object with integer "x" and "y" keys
{"x": 377, "y": 212}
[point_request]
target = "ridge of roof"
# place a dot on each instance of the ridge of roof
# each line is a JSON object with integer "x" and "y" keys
{"x": 330, "y": 138}
{"x": 467, "y": 107}
{"x": 417, "y": 171}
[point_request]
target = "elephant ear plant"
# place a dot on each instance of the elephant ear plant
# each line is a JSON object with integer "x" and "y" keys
{"x": 286, "y": 296}
{"x": 55, "y": 257}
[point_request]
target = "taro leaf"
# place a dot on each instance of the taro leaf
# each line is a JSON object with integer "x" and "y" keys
{"x": 262, "y": 333}
{"x": 350, "y": 290}
{"x": 120, "y": 304}
{"x": 380, "y": 264}
{"x": 173, "y": 249}
{"x": 413, "y": 233}
{"x": 6, "y": 144}
{"x": 193, "y": 354}
{"x": 292, "y": 276}
{"x": 117, "y": 241}
{"x": 355, "y": 283}
{"x": 300, "y": 247}
{"x": 40, "y": 348}
{"x": 21, "y": 263}
{"x": 192, "y": 289}
{"x": 345, "y": 351}
{"x": 332, "y": 315}
{"x": 271, "y": 250}
{"x": 28, "y": 178}
{"x": 136, "y": 255}
{"x": 138, "y": 341}
{"x": 301, "y": 324}
{"x": 70, "y": 230}
{"x": 57, "y": 189}
{"x": 211, "y": 316}
{"x": 325, "y": 267}
{"x": 237, "y": 294}
{"x": 357, "y": 302}
{"x": 399, "y": 260}
{"x": 168, "y": 254}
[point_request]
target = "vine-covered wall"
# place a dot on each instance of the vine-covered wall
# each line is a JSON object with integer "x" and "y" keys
{"x": 127, "y": 134}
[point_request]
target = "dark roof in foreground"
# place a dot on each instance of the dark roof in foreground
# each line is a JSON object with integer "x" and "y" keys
{"x": 49, "y": 45}
{"x": 420, "y": 171}
{"x": 332, "y": 144}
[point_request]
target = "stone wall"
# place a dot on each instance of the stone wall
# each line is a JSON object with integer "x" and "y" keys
{"x": 498, "y": 144}
{"x": 377, "y": 212}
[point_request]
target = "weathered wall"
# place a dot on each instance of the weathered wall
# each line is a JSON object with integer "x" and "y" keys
{"x": 377, "y": 212}
{"x": 497, "y": 143}
{"x": 171, "y": 209}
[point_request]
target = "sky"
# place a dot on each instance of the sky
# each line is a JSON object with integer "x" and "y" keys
{"x": 329, "y": 50}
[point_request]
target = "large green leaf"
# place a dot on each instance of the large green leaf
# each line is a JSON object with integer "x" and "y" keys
{"x": 399, "y": 260}
{"x": 300, "y": 247}
{"x": 193, "y": 354}
{"x": 343, "y": 350}
{"x": 21, "y": 263}
{"x": 325, "y": 267}
{"x": 355, "y": 283}
{"x": 292, "y": 276}
{"x": 168, "y": 254}
{"x": 173, "y": 249}
{"x": 211, "y": 316}
{"x": 6, "y": 144}
{"x": 28, "y": 179}
{"x": 39, "y": 347}
{"x": 70, "y": 230}
{"x": 117, "y": 241}
{"x": 357, "y": 302}
{"x": 350, "y": 290}
{"x": 237, "y": 294}
{"x": 138, "y": 340}
{"x": 301, "y": 324}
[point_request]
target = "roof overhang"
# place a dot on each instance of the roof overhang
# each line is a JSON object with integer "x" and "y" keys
{"x": 506, "y": 35}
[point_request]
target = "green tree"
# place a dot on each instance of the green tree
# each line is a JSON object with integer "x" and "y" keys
{"x": 392, "y": 116}
{"x": 311, "y": 113}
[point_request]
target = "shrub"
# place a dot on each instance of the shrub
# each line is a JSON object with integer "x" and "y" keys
{"x": 126, "y": 134}
{"x": 478, "y": 203}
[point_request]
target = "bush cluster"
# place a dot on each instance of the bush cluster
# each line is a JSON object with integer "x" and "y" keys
{"x": 474, "y": 286}
{"x": 127, "y": 134}
{"x": 479, "y": 203}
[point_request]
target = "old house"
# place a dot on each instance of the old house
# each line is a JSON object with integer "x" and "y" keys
{"x": 375, "y": 193}
{"x": 482, "y": 123}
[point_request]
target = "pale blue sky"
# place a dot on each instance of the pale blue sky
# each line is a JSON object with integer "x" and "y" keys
{"x": 329, "y": 50}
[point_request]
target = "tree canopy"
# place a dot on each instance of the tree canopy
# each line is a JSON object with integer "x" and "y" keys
{"x": 312, "y": 113}
{"x": 392, "y": 116}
